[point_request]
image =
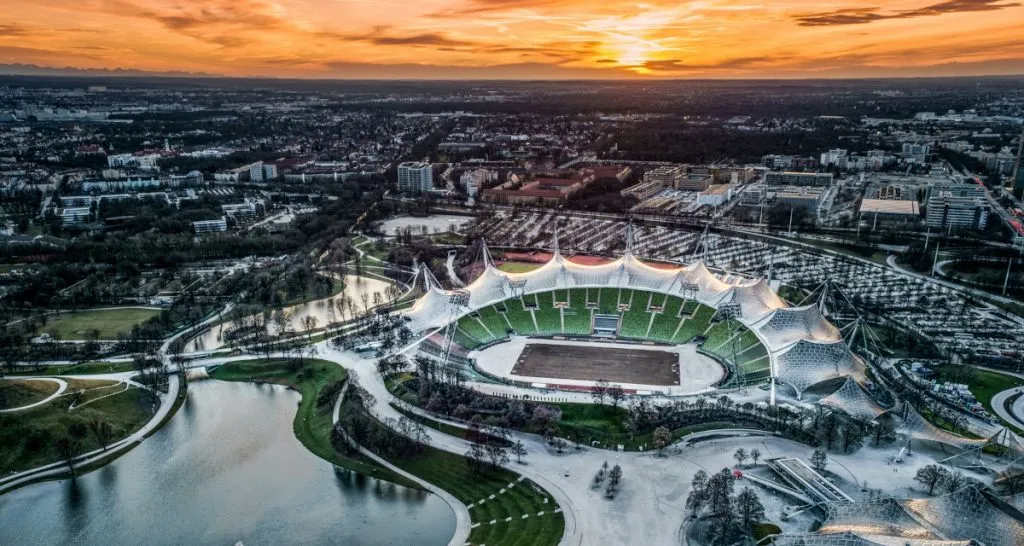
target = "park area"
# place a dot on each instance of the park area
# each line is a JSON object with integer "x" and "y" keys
{"x": 31, "y": 438}
{"x": 107, "y": 323}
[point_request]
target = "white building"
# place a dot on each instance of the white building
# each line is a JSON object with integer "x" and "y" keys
{"x": 415, "y": 177}
{"x": 210, "y": 226}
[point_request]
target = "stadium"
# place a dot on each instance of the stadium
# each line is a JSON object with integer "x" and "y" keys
{"x": 650, "y": 327}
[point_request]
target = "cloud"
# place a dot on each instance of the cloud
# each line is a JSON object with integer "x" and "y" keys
{"x": 737, "y": 63}
{"x": 859, "y": 16}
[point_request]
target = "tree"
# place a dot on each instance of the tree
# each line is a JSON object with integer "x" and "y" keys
{"x": 616, "y": 394}
{"x": 719, "y": 490}
{"x": 749, "y": 509}
{"x": 852, "y": 436}
{"x": 476, "y": 457}
{"x": 755, "y": 454}
{"x": 954, "y": 481}
{"x": 740, "y": 456}
{"x": 698, "y": 492}
{"x": 819, "y": 460}
{"x": 599, "y": 391}
{"x": 662, "y": 438}
{"x": 68, "y": 449}
{"x": 497, "y": 455}
{"x": 931, "y": 476}
{"x": 615, "y": 478}
{"x": 102, "y": 431}
{"x": 519, "y": 451}
{"x": 882, "y": 431}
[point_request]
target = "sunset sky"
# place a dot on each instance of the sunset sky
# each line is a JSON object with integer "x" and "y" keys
{"x": 519, "y": 38}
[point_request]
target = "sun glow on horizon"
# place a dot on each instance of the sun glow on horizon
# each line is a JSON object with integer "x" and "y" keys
{"x": 516, "y": 38}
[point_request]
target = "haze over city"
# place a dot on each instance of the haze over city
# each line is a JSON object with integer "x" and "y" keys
{"x": 518, "y": 39}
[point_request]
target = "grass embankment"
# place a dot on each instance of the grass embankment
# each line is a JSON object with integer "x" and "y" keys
{"x": 108, "y": 322}
{"x": 28, "y": 438}
{"x": 504, "y": 508}
{"x": 85, "y": 368}
{"x": 984, "y": 384}
{"x": 312, "y": 426}
{"x": 15, "y": 393}
{"x": 451, "y": 473}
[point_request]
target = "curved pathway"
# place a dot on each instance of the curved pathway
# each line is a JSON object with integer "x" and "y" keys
{"x": 61, "y": 387}
{"x": 1015, "y": 416}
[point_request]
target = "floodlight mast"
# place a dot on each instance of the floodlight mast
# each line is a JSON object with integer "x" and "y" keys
{"x": 458, "y": 299}
{"x": 731, "y": 312}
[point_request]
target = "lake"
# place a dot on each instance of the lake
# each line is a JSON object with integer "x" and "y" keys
{"x": 226, "y": 469}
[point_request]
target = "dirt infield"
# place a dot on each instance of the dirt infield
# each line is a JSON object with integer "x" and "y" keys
{"x": 592, "y": 363}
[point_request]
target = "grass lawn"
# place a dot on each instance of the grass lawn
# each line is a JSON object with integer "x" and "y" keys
{"x": 518, "y": 267}
{"x": 27, "y": 438}
{"x": 312, "y": 426}
{"x": 108, "y": 322}
{"x": 16, "y": 393}
{"x": 84, "y": 368}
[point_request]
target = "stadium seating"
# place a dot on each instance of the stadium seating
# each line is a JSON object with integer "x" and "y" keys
{"x": 494, "y": 322}
{"x": 637, "y": 319}
{"x": 666, "y": 322}
{"x": 520, "y": 319}
{"x": 693, "y": 324}
{"x": 577, "y": 322}
{"x": 609, "y": 300}
{"x": 679, "y": 321}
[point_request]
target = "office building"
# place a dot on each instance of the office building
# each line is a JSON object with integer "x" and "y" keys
{"x": 952, "y": 205}
{"x": 415, "y": 177}
{"x": 823, "y": 180}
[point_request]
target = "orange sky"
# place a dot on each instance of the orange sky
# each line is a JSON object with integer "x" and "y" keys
{"x": 519, "y": 38}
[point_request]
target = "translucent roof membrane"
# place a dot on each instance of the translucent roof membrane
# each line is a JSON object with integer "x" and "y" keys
{"x": 806, "y": 363}
{"x": 852, "y": 399}
{"x": 803, "y": 347}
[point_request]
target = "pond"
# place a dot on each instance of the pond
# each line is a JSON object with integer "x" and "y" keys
{"x": 226, "y": 469}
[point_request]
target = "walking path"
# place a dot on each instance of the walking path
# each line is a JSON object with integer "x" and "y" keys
{"x": 61, "y": 387}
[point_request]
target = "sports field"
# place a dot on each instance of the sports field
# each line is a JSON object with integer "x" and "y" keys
{"x": 107, "y": 322}
{"x": 615, "y": 365}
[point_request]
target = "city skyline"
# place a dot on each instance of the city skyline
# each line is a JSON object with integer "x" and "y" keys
{"x": 519, "y": 39}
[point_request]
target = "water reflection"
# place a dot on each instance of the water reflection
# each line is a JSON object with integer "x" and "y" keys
{"x": 232, "y": 471}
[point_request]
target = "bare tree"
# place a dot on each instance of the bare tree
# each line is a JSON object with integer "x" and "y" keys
{"x": 68, "y": 449}
{"x": 102, "y": 431}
